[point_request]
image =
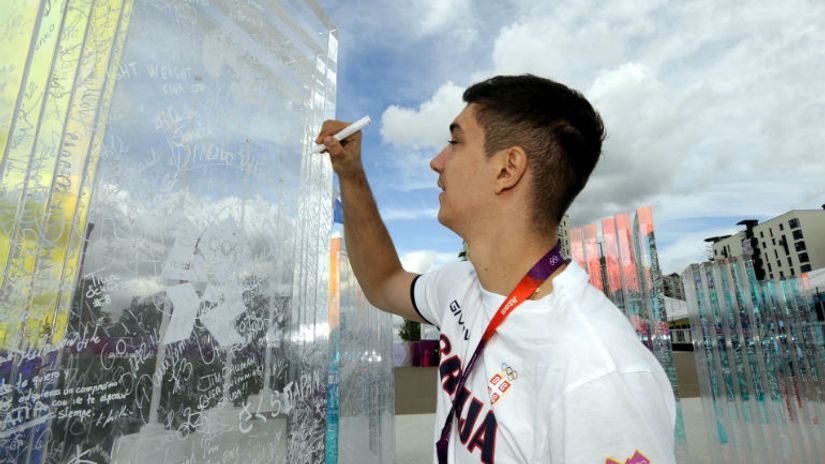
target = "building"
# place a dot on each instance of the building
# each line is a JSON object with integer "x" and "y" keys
{"x": 788, "y": 245}
{"x": 673, "y": 286}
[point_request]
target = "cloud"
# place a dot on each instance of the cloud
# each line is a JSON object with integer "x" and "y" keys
{"x": 687, "y": 248}
{"x": 639, "y": 159}
{"x": 711, "y": 108}
{"x": 455, "y": 22}
{"x": 427, "y": 126}
{"x": 422, "y": 261}
{"x": 453, "y": 16}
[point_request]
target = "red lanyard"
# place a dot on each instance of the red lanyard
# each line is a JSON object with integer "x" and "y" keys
{"x": 528, "y": 285}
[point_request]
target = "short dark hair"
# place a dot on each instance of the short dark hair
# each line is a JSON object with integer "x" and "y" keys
{"x": 555, "y": 125}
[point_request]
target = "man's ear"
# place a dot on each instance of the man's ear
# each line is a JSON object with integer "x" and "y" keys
{"x": 511, "y": 164}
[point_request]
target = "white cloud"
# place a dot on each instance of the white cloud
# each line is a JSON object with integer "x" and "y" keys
{"x": 711, "y": 108}
{"x": 454, "y": 16}
{"x": 427, "y": 126}
{"x": 422, "y": 261}
{"x": 457, "y": 23}
{"x": 687, "y": 248}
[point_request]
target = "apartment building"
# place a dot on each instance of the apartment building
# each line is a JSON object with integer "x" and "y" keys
{"x": 788, "y": 245}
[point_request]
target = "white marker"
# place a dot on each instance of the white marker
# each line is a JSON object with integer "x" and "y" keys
{"x": 345, "y": 132}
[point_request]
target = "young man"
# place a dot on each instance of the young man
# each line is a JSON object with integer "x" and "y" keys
{"x": 563, "y": 378}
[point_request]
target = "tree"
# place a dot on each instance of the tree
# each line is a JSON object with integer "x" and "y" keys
{"x": 410, "y": 331}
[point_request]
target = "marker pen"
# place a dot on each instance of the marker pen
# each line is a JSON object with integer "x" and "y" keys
{"x": 345, "y": 132}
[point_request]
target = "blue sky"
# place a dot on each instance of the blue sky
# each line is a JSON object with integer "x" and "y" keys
{"x": 715, "y": 111}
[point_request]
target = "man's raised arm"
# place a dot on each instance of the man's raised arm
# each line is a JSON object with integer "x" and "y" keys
{"x": 370, "y": 249}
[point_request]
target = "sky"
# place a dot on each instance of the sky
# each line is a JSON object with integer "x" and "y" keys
{"x": 714, "y": 111}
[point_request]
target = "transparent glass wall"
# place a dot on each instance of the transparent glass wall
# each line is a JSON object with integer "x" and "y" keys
{"x": 361, "y": 406}
{"x": 164, "y": 233}
{"x": 759, "y": 350}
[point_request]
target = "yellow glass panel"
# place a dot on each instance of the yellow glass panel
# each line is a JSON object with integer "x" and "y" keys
{"x": 19, "y": 162}
{"x": 52, "y": 156}
{"x": 16, "y": 29}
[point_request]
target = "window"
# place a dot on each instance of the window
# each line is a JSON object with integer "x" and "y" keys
{"x": 761, "y": 234}
{"x": 797, "y": 235}
{"x": 775, "y": 253}
{"x": 771, "y": 231}
{"x": 794, "y": 223}
{"x": 773, "y": 241}
{"x": 805, "y": 268}
{"x": 781, "y": 275}
{"x": 803, "y": 257}
{"x": 778, "y": 264}
{"x": 764, "y": 245}
{"x": 792, "y": 273}
{"x": 781, "y": 226}
{"x": 790, "y": 263}
{"x": 800, "y": 246}
{"x": 770, "y": 269}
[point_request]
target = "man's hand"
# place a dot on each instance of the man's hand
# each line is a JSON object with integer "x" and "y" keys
{"x": 344, "y": 155}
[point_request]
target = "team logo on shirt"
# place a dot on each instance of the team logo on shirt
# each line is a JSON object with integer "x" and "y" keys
{"x": 500, "y": 382}
{"x": 637, "y": 458}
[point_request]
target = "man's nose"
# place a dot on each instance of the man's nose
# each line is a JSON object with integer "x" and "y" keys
{"x": 436, "y": 163}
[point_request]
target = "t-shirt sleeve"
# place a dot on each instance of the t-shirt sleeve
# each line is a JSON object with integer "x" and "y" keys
{"x": 617, "y": 418}
{"x": 430, "y": 292}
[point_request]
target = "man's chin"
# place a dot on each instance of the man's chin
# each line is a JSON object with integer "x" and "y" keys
{"x": 442, "y": 217}
{"x": 444, "y": 220}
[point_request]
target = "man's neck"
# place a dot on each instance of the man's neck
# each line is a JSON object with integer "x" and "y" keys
{"x": 502, "y": 259}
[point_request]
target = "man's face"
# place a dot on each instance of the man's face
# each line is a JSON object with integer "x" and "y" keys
{"x": 464, "y": 173}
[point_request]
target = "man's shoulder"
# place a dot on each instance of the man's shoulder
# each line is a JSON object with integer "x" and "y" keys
{"x": 588, "y": 334}
{"x": 433, "y": 290}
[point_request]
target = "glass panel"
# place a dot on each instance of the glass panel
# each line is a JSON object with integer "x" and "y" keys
{"x": 760, "y": 362}
{"x": 593, "y": 256}
{"x": 165, "y": 235}
{"x": 367, "y": 400}
{"x": 577, "y": 246}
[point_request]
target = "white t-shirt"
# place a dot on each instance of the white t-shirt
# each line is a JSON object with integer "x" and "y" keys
{"x": 565, "y": 378}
